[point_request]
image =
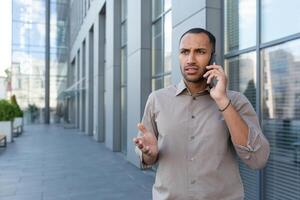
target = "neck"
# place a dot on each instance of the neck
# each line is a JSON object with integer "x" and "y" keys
{"x": 196, "y": 87}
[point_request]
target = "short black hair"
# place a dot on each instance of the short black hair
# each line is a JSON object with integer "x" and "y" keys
{"x": 211, "y": 37}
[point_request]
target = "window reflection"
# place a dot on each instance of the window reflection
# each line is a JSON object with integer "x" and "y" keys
{"x": 161, "y": 43}
{"x": 281, "y": 119}
{"x": 157, "y": 56}
{"x": 240, "y": 24}
{"x": 28, "y": 54}
{"x": 156, "y": 8}
{"x": 168, "y": 42}
{"x": 241, "y": 71}
{"x": 279, "y": 19}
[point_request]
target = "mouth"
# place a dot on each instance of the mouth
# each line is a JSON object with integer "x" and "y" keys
{"x": 191, "y": 70}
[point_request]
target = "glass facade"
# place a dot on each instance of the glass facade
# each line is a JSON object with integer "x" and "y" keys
{"x": 161, "y": 43}
{"x": 266, "y": 72}
{"x": 281, "y": 119}
{"x": 28, "y": 55}
{"x": 279, "y": 19}
{"x": 240, "y": 24}
{"x": 58, "y": 56}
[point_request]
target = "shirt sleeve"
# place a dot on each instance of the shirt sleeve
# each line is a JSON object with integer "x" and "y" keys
{"x": 255, "y": 155}
{"x": 148, "y": 121}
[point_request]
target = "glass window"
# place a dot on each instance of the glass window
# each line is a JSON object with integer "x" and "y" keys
{"x": 241, "y": 72}
{"x": 167, "y": 5}
{"x": 279, "y": 19}
{"x": 161, "y": 44}
{"x": 29, "y": 11}
{"x": 124, "y": 33}
{"x": 281, "y": 119}
{"x": 20, "y": 34}
{"x": 157, "y": 55}
{"x": 124, "y": 10}
{"x": 157, "y": 83}
{"x": 37, "y": 34}
{"x": 157, "y": 6}
{"x": 168, "y": 42}
{"x": 124, "y": 77}
{"x": 240, "y": 24}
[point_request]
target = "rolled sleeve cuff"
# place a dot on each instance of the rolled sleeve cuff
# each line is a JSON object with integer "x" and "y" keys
{"x": 245, "y": 152}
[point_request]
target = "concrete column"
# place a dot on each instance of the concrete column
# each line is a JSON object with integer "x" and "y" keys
{"x": 82, "y": 86}
{"x": 139, "y": 68}
{"x": 47, "y": 64}
{"x": 89, "y": 82}
{"x": 77, "y": 77}
{"x": 113, "y": 75}
{"x": 99, "y": 41}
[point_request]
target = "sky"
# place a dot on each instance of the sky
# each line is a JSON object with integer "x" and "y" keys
{"x": 5, "y": 35}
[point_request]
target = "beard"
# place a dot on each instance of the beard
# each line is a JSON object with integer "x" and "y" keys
{"x": 197, "y": 78}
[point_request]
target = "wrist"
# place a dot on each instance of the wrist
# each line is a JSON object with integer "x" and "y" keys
{"x": 222, "y": 102}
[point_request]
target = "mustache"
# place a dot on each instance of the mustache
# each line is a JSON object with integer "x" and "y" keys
{"x": 191, "y": 66}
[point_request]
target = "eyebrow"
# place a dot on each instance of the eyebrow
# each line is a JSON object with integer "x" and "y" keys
{"x": 203, "y": 49}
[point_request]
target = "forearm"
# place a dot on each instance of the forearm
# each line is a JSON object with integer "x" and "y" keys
{"x": 237, "y": 126}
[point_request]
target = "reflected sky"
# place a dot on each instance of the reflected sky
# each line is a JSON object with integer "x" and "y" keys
{"x": 279, "y": 19}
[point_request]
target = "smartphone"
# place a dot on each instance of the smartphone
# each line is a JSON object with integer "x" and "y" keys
{"x": 212, "y": 61}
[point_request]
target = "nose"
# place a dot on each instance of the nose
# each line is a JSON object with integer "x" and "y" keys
{"x": 191, "y": 58}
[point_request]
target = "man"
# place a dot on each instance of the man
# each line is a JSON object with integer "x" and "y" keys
{"x": 194, "y": 131}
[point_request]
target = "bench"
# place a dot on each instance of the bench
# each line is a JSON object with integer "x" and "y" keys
{"x": 17, "y": 130}
{"x": 3, "y": 140}
{"x": 17, "y": 126}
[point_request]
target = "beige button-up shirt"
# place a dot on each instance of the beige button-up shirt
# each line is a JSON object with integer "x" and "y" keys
{"x": 196, "y": 155}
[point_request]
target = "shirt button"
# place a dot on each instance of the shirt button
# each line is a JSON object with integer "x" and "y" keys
{"x": 192, "y": 158}
{"x": 193, "y": 181}
{"x": 193, "y": 116}
{"x": 192, "y": 137}
{"x": 194, "y": 98}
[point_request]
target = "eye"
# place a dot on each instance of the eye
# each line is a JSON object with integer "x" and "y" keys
{"x": 201, "y": 51}
{"x": 184, "y": 52}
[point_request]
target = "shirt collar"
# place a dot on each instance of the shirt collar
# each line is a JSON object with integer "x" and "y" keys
{"x": 181, "y": 87}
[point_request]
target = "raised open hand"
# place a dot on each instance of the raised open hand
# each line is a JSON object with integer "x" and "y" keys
{"x": 146, "y": 142}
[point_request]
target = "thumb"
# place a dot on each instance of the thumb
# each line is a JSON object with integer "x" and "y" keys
{"x": 142, "y": 128}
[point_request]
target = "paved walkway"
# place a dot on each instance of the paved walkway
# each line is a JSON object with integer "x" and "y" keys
{"x": 53, "y": 163}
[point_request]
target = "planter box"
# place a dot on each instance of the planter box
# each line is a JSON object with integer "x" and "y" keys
{"x": 6, "y": 129}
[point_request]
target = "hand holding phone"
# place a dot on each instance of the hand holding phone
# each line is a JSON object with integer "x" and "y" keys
{"x": 212, "y": 61}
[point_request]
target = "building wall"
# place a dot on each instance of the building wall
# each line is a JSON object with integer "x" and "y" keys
{"x": 99, "y": 112}
{"x": 255, "y": 63}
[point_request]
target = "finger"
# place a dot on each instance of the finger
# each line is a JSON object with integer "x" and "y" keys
{"x": 140, "y": 146}
{"x": 146, "y": 150}
{"x": 209, "y": 72}
{"x": 142, "y": 128}
{"x": 136, "y": 140}
{"x": 210, "y": 77}
{"x": 216, "y": 67}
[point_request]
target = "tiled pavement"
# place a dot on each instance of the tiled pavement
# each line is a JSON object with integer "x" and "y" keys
{"x": 53, "y": 163}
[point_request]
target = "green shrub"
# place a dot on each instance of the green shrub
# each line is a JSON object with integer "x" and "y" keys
{"x": 18, "y": 111}
{"x": 7, "y": 111}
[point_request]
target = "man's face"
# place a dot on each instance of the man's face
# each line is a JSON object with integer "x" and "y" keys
{"x": 194, "y": 54}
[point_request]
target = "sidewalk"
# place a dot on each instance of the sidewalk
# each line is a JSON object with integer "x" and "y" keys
{"x": 53, "y": 163}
